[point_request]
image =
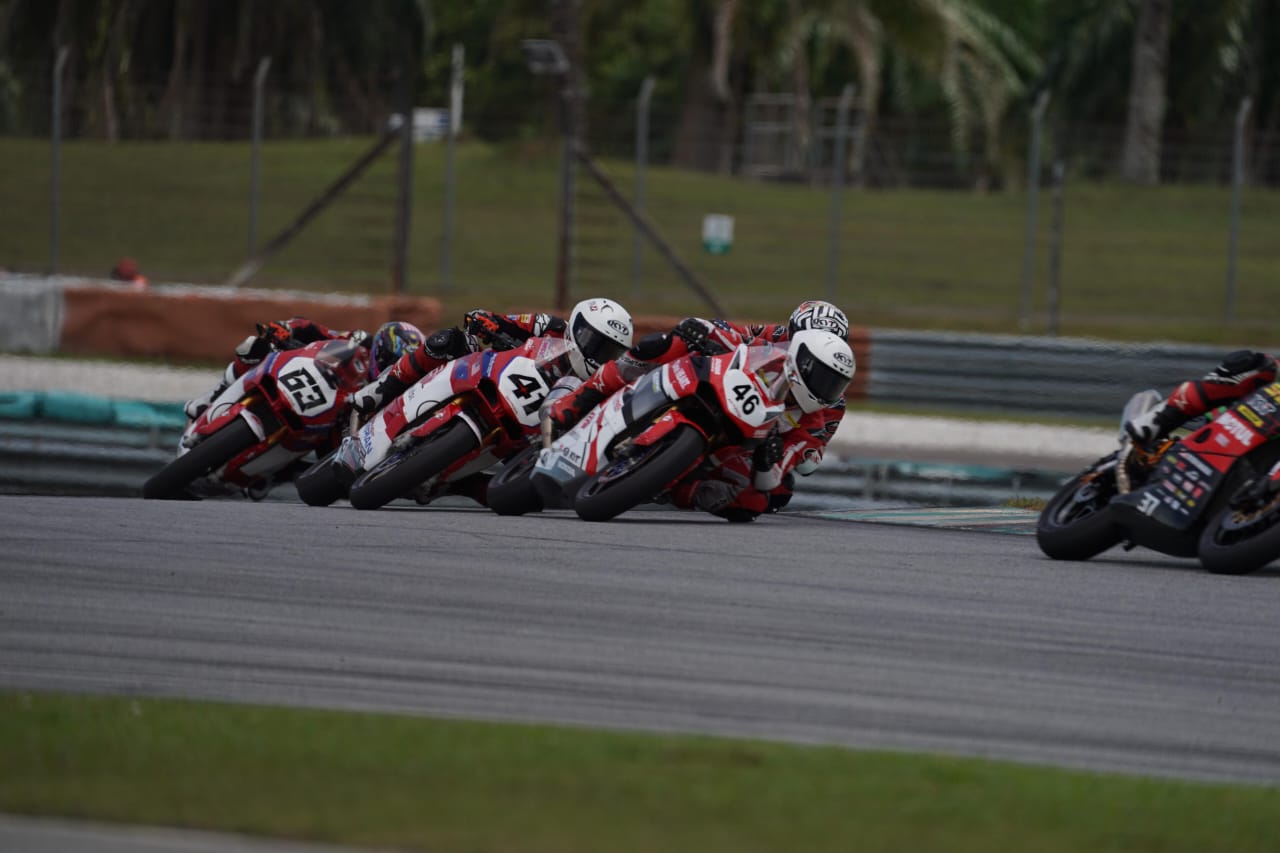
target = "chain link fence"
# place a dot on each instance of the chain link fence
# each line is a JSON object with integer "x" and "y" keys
{"x": 901, "y": 221}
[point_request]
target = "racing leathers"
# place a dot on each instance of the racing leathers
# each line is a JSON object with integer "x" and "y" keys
{"x": 1239, "y": 374}
{"x": 733, "y": 483}
{"x": 270, "y": 337}
{"x": 500, "y": 331}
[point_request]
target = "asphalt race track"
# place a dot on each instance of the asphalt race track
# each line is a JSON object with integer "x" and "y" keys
{"x": 794, "y": 628}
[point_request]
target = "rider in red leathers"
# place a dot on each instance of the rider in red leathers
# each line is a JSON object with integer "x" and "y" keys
{"x": 1239, "y": 374}
{"x": 737, "y": 485}
{"x": 501, "y": 331}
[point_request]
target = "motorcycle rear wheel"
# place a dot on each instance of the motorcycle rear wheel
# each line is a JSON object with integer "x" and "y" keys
{"x": 630, "y": 481}
{"x": 321, "y": 484}
{"x": 398, "y": 474}
{"x": 1239, "y": 540}
{"x": 212, "y": 453}
{"x": 511, "y": 491}
{"x": 1075, "y": 523}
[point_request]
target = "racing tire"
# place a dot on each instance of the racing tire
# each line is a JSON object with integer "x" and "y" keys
{"x": 512, "y": 491}
{"x": 1234, "y": 543}
{"x": 1076, "y": 523}
{"x": 170, "y": 483}
{"x": 630, "y": 481}
{"x": 398, "y": 474}
{"x": 323, "y": 483}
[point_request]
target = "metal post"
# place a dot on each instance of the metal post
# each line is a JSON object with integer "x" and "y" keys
{"x": 55, "y": 154}
{"x": 457, "y": 68}
{"x": 642, "y": 161}
{"x": 255, "y": 155}
{"x": 404, "y": 196}
{"x": 568, "y": 172}
{"x": 1033, "y": 188}
{"x": 1237, "y": 185}
{"x": 837, "y": 188}
{"x": 1055, "y": 248}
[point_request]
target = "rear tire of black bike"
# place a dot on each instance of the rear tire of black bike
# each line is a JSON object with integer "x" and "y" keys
{"x": 399, "y": 474}
{"x": 1076, "y": 523}
{"x": 511, "y": 491}
{"x": 171, "y": 482}
{"x": 1226, "y": 548}
{"x": 629, "y": 482}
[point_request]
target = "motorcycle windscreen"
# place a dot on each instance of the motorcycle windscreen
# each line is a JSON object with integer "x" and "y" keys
{"x": 769, "y": 365}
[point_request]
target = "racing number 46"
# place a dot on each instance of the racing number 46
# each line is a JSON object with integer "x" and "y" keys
{"x": 750, "y": 402}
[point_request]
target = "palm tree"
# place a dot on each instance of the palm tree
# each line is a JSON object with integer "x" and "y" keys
{"x": 978, "y": 61}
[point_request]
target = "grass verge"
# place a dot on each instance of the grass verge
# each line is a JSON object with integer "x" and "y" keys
{"x": 442, "y": 786}
{"x": 1136, "y": 262}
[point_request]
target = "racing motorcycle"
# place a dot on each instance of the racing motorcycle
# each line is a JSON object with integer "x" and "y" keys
{"x": 256, "y": 432}
{"x": 643, "y": 439}
{"x": 1210, "y": 491}
{"x": 463, "y": 417}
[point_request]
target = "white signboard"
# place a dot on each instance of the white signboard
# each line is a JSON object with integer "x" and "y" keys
{"x": 717, "y": 233}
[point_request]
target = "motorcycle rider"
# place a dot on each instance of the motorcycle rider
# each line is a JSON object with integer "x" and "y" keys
{"x": 597, "y": 331}
{"x": 1239, "y": 374}
{"x": 388, "y": 343}
{"x": 737, "y": 485}
{"x": 500, "y": 331}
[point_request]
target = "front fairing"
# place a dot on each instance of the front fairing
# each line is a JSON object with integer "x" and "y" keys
{"x": 752, "y": 386}
{"x": 288, "y": 401}
{"x": 1178, "y": 496}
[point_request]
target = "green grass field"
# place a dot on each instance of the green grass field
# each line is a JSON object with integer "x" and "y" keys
{"x": 445, "y": 786}
{"x": 1137, "y": 264}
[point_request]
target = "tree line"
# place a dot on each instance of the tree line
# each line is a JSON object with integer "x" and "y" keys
{"x": 182, "y": 68}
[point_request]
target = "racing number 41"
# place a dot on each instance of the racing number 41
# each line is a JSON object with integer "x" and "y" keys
{"x": 749, "y": 404}
{"x": 526, "y": 387}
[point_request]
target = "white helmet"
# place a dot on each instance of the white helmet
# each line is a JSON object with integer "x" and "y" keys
{"x": 816, "y": 314}
{"x": 599, "y": 331}
{"x": 819, "y": 367}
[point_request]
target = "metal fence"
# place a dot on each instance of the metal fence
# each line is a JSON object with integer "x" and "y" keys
{"x": 902, "y": 227}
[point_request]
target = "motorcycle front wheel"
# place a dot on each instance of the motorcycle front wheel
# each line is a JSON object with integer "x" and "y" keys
{"x": 511, "y": 491}
{"x": 321, "y": 484}
{"x": 630, "y": 481}
{"x": 1243, "y": 538}
{"x": 1075, "y": 524}
{"x": 400, "y": 473}
{"x": 212, "y": 453}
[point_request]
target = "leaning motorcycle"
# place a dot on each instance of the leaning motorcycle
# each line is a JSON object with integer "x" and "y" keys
{"x": 643, "y": 439}
{"x": 253, "y": 435}
{"x": 460, "y": 419}
{"x": 1200, "y": 494}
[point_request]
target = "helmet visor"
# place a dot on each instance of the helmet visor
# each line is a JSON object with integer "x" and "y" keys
{"x": 595, "y": 346}
{"x": 823, "y": 381}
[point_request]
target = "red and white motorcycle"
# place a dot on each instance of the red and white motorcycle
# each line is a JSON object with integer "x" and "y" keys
{"x": 252, "y": 435}
{"x": 646, "y": 437}
{"x": 458, "y": 420}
